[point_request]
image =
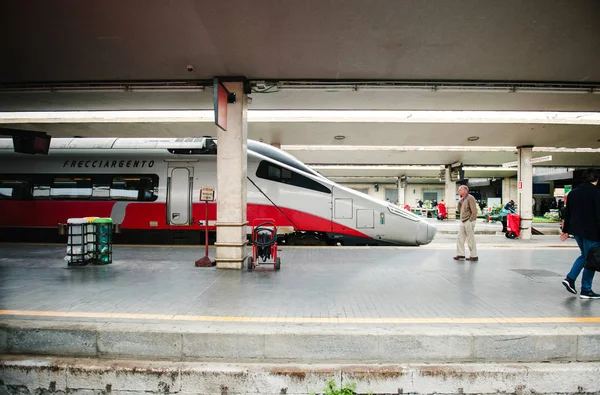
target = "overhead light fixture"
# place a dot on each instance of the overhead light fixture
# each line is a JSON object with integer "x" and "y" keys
{"x": 473, "y": 138}
{"x": 107, "y": 88}
{"x": 569, "y": 150}
{"x": 181, "y": 116}
{"x": 397, "y": 148}
{"x": 339, "y": 137}
{"x": 489, "y": 168}
{"x": 425, "y": 116}
{"x": 437, "y": 86}
{"x": 375, "y": 167}
{"x": 321, "y": 116}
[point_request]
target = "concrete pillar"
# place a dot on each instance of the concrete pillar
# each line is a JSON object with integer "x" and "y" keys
{"x": 450, "y": 195}
{"x": 401, "y": 195}
{"x": 525, "y": 179}
{"x": 509, "y": 190}
{"x": 514, "y": 193}
{"x": 231, "y": 183}
{"x": 506, "y": 195}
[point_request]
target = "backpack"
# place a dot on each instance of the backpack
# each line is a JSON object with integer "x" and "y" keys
{"x": 592, "y": 261}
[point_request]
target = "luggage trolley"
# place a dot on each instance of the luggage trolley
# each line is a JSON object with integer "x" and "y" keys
{"x": 264, "y": 243}
{"x": 76, "y": 242}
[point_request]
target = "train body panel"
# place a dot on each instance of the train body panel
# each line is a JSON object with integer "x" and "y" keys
{"x": 154, "y": 185}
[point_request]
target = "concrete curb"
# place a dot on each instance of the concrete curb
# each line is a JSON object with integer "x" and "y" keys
{"x": 83, "y": 376}
{"x": 309, "y": 345}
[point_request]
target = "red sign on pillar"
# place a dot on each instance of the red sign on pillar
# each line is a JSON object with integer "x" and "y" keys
{"x": 520, "y": 185}
{"x": 220, "y": 96}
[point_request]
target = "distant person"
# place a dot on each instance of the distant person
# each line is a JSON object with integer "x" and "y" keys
{"x": 467, "y": 207}
{"x": 481, "y": 204}
{"x": 553, "y": 205}
{"x": 434, "y": 203}
{"x": 420, "y": 203}
{"x": 510, "y": 207}
{"x": 561, "y": 204}
{"x": 582, "y": 220}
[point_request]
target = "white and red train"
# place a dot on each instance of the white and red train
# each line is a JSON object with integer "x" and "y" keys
{"x": 151, "y": 187}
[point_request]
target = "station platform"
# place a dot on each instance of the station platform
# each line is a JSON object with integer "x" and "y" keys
{"x": 490, "y": 228}
{"x": 327, "y": 309}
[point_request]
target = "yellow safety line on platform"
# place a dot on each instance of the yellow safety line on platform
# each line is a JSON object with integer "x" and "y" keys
{"x": 303, "y": 320}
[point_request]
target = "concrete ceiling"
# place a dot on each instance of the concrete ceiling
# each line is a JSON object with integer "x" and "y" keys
{"x": 114, "y": 43}
{"x": 114, "y": 40}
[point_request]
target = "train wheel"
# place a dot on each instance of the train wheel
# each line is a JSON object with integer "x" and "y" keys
{"x": 511, "y": 235}
{"x": 278, "y": 264}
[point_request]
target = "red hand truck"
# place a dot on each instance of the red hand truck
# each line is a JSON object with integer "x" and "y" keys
{"x": 264, "y": 243}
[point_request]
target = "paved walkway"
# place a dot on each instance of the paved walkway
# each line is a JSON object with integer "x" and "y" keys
{"x": 345, "y": 304}
{"x": 314, "y": 285}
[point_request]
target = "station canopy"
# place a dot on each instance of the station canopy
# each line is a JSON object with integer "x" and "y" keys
{"x": 347, "y": 61}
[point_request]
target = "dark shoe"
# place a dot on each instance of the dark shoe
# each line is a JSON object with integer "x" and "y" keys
{"x": 473, "y": 258}
{"x": 589, "y": 295}
{"x": 569, "y": 285}
{"x": 459, "y": 258}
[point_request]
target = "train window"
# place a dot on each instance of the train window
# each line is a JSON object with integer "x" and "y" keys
{"x": 71, "y": 188}
{"x": 274, "y": 173}
{"x": 96, "y": 187}
{"x": 101, "y": 190}
{"x": 15, "y": 189}
{"x": 41, "y": 191}
{"x": 277, "y": 173}
{"x": 134, "y": 188}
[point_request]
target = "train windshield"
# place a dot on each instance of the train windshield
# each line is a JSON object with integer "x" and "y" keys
{"x": 280, "y": 156}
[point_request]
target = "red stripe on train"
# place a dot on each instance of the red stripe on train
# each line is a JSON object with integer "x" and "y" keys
{"x": 42, "y": 213}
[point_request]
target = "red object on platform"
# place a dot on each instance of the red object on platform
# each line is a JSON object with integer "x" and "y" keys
{"x": 204, "y": 262}
{"x": 513, "y": 225}
{"x": 442, "y": 212}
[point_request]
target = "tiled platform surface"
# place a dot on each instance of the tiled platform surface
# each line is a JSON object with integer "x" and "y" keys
{"x": 362, "y": 304}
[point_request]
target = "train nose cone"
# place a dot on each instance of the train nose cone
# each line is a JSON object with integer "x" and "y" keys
{"x": 425, "y": 233}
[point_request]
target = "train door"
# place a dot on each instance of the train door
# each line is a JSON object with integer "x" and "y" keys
{"x": 365, "y": 219}
{"x": 342, "y": 208}
{"x": 342, "y": 211}
{"x": 179, "y": 195}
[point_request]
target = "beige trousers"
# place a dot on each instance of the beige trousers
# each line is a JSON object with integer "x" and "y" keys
{"x": 466, "y": 231}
